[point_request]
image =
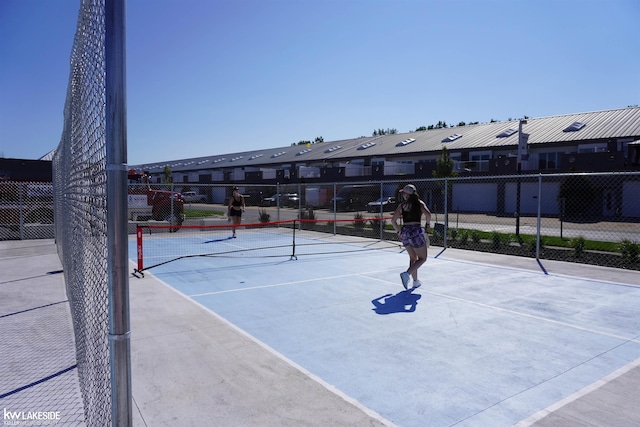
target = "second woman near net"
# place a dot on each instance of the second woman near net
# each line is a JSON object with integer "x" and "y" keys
{"x": 236, "y": 207}
{"x": 412, "y": 235}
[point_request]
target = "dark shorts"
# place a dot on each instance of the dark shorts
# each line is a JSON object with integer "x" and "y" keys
{"x": 235, "y": 212}
{"x": 413, "y": 235}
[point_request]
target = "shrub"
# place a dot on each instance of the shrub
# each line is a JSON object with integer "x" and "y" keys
{"x": 530, "y": 244}
{"x": 475, "y": 236}
{"x": 454, "y": 233}
{"x": 307, "y": 214}
{"x": 377, "y": 222}
{"x": 630, "y": 251}
{"x": 464, "y": 237}
{"x": 263, "y": 215}
{"x": 358, "y": 220}
{"x": 496, "y": 240}
{"x": 437, "y": 237}
{"x": 578, "y": 243}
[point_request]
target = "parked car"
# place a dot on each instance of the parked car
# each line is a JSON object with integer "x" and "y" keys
{"x": 388, "y": 204}
{"x": 193, "y": 197}
{"x": 286, "y": 200}
{"x": 355, "y": 197}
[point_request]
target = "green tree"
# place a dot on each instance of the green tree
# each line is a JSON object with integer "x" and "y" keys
{"x": 168, "y": 178}
{"x": 385, "y": 132}
{"x": 444, "y": 169}
{"x": 315, "y": 141}
{"x": 440, "y": 125}
{"x": 444, "y": 165}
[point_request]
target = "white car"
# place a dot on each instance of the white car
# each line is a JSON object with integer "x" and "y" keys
{"x": 388, "y": 204}
{"x": 193, "y": 197}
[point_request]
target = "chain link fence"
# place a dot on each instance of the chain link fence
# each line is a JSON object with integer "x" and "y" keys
{"x": 591, "y": 218}
{"x": 80, "y": 175}
{"x": 26, "y": 210}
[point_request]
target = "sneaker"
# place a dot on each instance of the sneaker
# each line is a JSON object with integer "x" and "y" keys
{"x": 404, "y": 276}
{"x": 417, "y": 284}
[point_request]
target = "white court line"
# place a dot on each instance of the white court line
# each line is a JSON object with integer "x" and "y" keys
{"x": 492, "y": 307}
{"x": 370, "y": 412}
{"x": 535, "y": 270}
{"x": 275, "y": 285}
{"x": 532, "y": 316}
{"x": 577, "y": 395}
{"x": 524, "y": 423}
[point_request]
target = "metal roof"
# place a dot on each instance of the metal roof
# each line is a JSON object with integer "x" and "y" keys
{"x": 597, "y": 125}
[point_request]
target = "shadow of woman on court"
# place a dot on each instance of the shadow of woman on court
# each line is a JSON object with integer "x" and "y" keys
{"x": 402, "y": 302}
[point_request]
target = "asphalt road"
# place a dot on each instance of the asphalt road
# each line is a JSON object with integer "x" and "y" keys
{"x": 609, "y": 231}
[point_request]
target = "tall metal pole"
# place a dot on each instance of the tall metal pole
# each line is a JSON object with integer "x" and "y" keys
{"x": 517, "y": 213}
{"x": 538, "y": 228}
{"x": 523, "y": 156}
{"x": 117, "y": 252}
{"x": 446, "y": 211}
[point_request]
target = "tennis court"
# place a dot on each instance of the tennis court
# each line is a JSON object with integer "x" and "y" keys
{"x": 476, "y": 345}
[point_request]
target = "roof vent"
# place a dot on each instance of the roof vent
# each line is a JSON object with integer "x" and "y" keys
{"x": 452, "y": 137}
{"x": 367, "y": 145}
{"x": 235, "y": 158}
{"x": 220, "y": 160}
{"x": 507, "y": 133}
{"x": 278, "y": 154}
{"x": 575, "y": 127}
{"x": 255, "y": 156}
{"x": 303, "y": 152}
{"x": 405, "y": 142}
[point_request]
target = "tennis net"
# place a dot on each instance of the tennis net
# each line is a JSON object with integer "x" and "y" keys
{"x": 162, "y": 244}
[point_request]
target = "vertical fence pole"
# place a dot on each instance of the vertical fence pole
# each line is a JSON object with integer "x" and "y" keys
{"x": 277, "y": 201}
{"x": 539, "y": 213}
{"x": 446, "y": 212}
{"x": 21, "y": 209}
{"x": 518, "y": 194}
{"x": 335, "y": 213}
{"x": 381, "y": 222}
{"x": 299, "y": 207}
{"x": 117, "y": 252}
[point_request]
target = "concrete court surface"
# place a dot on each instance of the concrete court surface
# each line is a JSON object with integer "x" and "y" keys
{"x": 488, "y": 340}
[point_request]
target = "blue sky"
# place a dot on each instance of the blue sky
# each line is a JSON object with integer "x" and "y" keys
{"x": 207, "y": 77}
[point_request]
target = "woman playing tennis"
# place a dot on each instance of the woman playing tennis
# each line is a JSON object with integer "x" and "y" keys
{"x": 412, "y": 235}
{"x": 236, "y": 207}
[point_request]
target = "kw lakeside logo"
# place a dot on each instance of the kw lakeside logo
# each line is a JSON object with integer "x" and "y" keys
{"x": 30, "y": 418}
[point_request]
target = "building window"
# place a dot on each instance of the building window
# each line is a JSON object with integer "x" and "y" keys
{"x": 592, "y": 148}
{"x": 576, "y": 126}
{"x": 507, "y": 133}
{"x": 480, "y": 161}
{"x": 452, "y": 137}
{"x": 548, "y": 161}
